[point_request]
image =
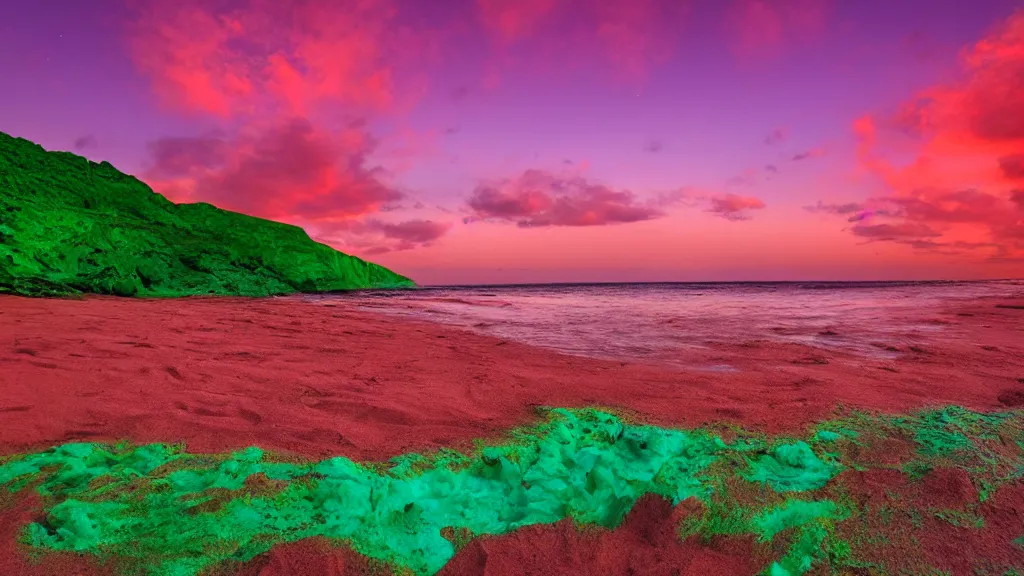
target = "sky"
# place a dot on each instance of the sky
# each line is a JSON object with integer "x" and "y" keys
{"x": 520, "y": 141}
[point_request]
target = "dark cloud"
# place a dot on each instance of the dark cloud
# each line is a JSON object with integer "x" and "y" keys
{"x": 903, "y": 232}
{"x": 918, "y": 236}
{"x": 776, "y": 136}
{"x": 857, "y": 212}
{"x": 372, "y": 236}
{"x": 461, "y": 93}
{"x": 175, "y": 157}
{"x": 959, "y": 206}
{"x": 85, "y": 142}
{"x": 749, "y": 177}
{"x": 1012, "y": 166}
{"x": 815, "y": 153}
{"x": 418, "y": 232}
{"x": 1017, "y": 197}
{"x": 771, "y": 168}
{"x": 840, "y": 209}
{"x": 539, "y": 198}
{"x": 921, "y": 46}
{"x": 654, "y": 146}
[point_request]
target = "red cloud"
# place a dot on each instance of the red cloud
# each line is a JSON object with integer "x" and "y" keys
{"x": 179, "y": 48}
{"x": 963, "y": 183}
{"x": 274, "y": 70}
{"x": 258, "y": 55}
{"x": 760, "y": 27}
{"x": 288, "y": 170}
{"x": 734, "y": 207}
{"x": 539, "y": 198}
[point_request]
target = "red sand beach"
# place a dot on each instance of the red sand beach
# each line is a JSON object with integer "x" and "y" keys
{"x": 300, "y": 377}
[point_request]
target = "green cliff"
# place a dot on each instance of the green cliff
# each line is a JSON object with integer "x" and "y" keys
{"x": 70, "y": 226}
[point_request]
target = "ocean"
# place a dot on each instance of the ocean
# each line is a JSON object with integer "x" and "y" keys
{"x": 655, "y": 322}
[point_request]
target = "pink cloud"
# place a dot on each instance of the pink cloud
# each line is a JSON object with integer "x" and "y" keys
{"x": 734, "y": 207}
{"x": 539, "y": 198}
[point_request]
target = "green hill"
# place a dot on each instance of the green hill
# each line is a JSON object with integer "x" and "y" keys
{"x": 70, "y": 226}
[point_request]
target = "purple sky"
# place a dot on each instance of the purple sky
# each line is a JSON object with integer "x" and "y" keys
{"x": 649, "y": 127}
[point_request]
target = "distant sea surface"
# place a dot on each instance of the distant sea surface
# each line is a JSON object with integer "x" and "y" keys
{"x": 656, "y": 322}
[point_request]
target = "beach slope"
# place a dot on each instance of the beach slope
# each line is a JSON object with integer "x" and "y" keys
{"x": 882, "y": 469}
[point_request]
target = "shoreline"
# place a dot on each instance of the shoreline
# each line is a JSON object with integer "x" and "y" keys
{"x": 320, "y": 380}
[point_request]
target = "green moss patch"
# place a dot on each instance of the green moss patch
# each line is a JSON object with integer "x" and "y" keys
{"x": 170, "y": 512}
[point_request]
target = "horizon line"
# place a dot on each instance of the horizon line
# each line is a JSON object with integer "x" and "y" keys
{"x": 706, "y": 282}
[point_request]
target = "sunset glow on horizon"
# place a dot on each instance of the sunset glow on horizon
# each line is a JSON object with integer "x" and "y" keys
{"x": 520, "y": 141}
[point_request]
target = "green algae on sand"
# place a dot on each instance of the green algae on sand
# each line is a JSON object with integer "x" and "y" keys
{"x": 169, "y": 512}
{"x": 71, "y": 226}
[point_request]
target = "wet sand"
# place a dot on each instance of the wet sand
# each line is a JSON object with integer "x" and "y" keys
{"x": 304, "y": 378}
